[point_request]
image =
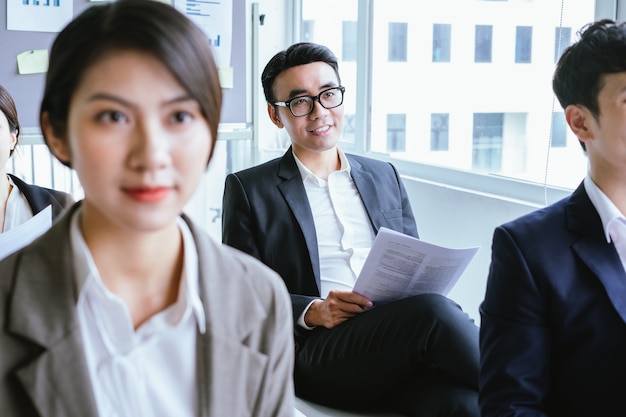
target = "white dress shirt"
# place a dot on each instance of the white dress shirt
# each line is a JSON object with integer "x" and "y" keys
{"x": 18, "y": 210}
{"x": 344, "y": 231}
{"x": 613, "y": 221}
{"x": 150, "y": 371}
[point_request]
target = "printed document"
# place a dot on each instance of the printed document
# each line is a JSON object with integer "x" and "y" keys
{"x": 399, "y": 266}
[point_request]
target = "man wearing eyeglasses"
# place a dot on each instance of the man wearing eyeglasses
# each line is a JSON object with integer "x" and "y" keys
{"x": 312, "y": 216}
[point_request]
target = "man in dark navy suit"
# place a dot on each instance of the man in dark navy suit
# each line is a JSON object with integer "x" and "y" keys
{"x": 553, "y": 328}
{"x": 312, "y": 215}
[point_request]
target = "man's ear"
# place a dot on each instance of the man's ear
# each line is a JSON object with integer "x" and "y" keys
{"x": 581, "y": 121}
{"x": 58, "y": 146}
{"x": 274, "y": 117}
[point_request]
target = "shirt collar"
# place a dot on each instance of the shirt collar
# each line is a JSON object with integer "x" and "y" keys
{"x": 606, "y": 209}
{"x": 87, "y": 273}
{"x": 307, "y": 174}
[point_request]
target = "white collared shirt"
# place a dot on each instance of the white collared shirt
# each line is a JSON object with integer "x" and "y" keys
{"x": 18, "y": 210}
{"x": 613, "y": 221}
{"x": 344, "y": 231}
{"x": 148, "y": 372}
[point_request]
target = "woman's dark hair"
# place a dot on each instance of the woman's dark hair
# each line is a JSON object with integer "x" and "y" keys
{"x": 297, "y": 54}
{"x": 7, "y": 106}
{"x": 147, "y": 26}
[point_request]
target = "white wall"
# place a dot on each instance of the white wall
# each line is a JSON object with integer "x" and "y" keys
{"x": 460, "y": 218}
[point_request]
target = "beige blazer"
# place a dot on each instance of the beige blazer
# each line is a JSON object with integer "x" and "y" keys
{"x": 244, "y": 360}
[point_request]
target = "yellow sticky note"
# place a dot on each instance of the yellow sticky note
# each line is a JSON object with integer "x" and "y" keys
{"x": 226, "y": 77}
{"x": 33, "y": 61}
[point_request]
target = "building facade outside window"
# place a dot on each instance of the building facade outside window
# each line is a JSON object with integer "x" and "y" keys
{"x": 307, "y": 30}
{"x": 439, "y": 131}
{"x": 487, "y": 141}
{"x": 559, "y": 130}
{"x": 396, "y": 132}
{"x": 483, "y": 43}
{"x": 523, "y": 44}
{"x": 397, "y": 42}
{"x": 562, "y": 38}
{"x": 441, "y": 42}
{"x": 460, "y": 58}
{"x": 348, "y": 39}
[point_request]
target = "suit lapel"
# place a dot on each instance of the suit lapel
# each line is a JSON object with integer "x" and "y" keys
{"x": 42, "y": 312}
{"x": 58, "y": 381}
{"x": 593, "y": 249}
{"x": 369, "y": 194}
{"x": 36, "y": 199}
{"x": 292, "y": 190}
{"x": 222, "y": 358}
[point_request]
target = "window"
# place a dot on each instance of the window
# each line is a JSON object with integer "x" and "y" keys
{"x": 486, "y": 80}
{"x": 307, "y": 30}
{"x": 487, "y": 142}
{"x": 523, "y": 44}
{"x": 348, "y": 50}
{"x": 396, "y": 132}
{"x": 559, "y": 130}
{"x": 348, "y": 134}
{"x": 439, "y": 131}
{"x": 482, "y": 43}
{"x": 441, "y": 42}
{"x": 397, "y": 42}
{"x": 562, "y": 39}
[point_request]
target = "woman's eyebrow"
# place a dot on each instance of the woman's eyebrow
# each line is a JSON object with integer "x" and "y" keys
{"x": 124, "y": 102}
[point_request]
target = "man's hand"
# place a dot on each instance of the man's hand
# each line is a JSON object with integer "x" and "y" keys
{"x": 338, "y": 307}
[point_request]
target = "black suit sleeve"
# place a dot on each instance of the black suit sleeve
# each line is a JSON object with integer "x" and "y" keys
{"x": 237, "y": 217}
{"x": 515, "y": 341}
{"x": 241, "y": 231}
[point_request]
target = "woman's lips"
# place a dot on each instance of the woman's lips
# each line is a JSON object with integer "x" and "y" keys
{"x": 148, "y": 194}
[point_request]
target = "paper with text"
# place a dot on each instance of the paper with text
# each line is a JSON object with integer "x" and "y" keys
{"x": 25, "y": 233}
{"x": 399, "y": 266}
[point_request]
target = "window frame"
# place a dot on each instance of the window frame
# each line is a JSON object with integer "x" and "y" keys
{"x": 497, "y": 186}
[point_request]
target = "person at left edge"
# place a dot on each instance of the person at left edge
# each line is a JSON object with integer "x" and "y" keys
{"x": 19, "y": 200}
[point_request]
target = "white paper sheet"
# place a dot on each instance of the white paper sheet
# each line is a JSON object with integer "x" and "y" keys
{"x": 39, "y": 15}
{"x": 399, "y": 266}
{"x": 215, "y": 18}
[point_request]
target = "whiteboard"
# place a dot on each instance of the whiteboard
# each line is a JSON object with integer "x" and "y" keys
{"x": 27, "y": 89}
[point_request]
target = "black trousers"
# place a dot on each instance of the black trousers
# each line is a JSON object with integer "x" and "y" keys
{"x": 418, "y": 356}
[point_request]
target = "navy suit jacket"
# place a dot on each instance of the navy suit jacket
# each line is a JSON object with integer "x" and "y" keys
{"x": 553, "y": 329}
{"x": 266, "y": 213}
{"x": 39, "y": 197}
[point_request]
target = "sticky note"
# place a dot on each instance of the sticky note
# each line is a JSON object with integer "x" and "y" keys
{"x": 33, "y": 61}
{"x": 226, "y": 77}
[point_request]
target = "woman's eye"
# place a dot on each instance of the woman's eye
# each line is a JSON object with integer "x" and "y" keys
{"x": 180, "y": 117}
{"x": 112, "y": 116}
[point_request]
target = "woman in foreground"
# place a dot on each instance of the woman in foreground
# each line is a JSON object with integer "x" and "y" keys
{"x": 125, "y": 307}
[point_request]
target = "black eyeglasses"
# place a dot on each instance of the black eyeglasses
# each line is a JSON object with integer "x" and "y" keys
{"x": 303, "y": 105}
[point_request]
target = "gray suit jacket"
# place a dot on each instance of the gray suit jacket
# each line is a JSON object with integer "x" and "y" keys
{"x": 244, "y": 360}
